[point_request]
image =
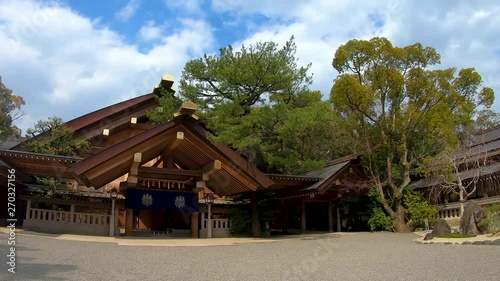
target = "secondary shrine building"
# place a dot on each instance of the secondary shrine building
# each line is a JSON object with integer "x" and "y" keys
{"x": 170, "y": 179}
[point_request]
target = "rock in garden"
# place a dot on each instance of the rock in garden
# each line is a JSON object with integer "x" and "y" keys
{"x": 441, "y": 228}
{"x": 472, "y": 216}
{"x": 428, "y": 236}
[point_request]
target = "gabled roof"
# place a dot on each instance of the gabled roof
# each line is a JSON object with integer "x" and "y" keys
{"x": 485, "y": 145}
{"x": 466, "y": 175}
{"x": 486, "y": 136}
{"x": 334, "y": 179}
{"x": 118, "y": 115}
{"x": 290, "y": 182}
{"x": 115, "y": 116}
{"x": 193, "y": 153}
{"x": 39, "y": 164}
{"x": 332, "y": 172}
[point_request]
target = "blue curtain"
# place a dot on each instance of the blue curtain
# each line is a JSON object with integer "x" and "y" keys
{"x": 144, "y": 199}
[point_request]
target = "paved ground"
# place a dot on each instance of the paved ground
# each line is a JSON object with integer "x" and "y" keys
{"x": 358, "y": 256}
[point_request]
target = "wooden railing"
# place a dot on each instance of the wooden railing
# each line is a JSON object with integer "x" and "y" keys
{"x": 452, "y": 210}
{"x": 216, "y": 224}
{"x": 65, "y": 216}
{"x": 449, "y": 213}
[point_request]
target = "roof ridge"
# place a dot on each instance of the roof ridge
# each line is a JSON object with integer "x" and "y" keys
{"x": 344, "y": 159}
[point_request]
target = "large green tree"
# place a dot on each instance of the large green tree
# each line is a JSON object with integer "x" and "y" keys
{"x": 252, "y": 75}
{"x": 10, "y": 106}
{"x": 52, "y": 136}
{"x": 396, "y": 108}
{"x": 257, "y": 100}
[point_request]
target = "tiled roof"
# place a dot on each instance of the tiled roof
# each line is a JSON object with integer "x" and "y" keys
{"x": 464, "y": 176}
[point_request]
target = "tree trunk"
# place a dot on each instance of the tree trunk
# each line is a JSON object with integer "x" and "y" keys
{"x": 399, "y": 223}
{"x": 461, "y": 198}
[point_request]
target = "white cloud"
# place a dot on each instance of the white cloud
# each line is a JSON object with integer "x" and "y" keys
{"x": 466, "y": 34}
{"x": 68, "y": 65}
{"x": 128, "y": 10}
{"x": 150, "y": 31}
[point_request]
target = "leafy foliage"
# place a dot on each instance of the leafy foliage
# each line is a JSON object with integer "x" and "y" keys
{"x": 257, "y": 101}
{"x": 169, "y": 103}
{"x": 418, "y": 209}
{"x": 245, "y": 77}
{"x": 54, "y": 137}
{"x": 395, "y": 110}
{"x": 492, "y": 220}
{"x": 241, "y": 220}
{"x": 379, "y": 220}
{"x": 10, "y": 110}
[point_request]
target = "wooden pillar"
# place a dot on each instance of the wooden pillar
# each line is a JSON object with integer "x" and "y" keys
{"x": 117, "y": 214}
{"x": 129, "y": 220}
{"x": 194, "y": 225}
{"x": 339, "y": 229}
{"x": 72, "y": 213}
{"x": 28, "y": 209}
{"x": 255, "y": 216}
{"x": 285, "y": 219}
{"x": 330, "y": 216}
{"x": 202, "y": 220}
{"x": 303, "y": 217}
{"x": 112, "y": 219}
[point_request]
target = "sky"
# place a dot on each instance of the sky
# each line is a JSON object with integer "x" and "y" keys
{"x": 67, "y": 58}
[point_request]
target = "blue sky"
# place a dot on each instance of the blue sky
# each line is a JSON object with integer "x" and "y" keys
{"x": 68, "y": 57}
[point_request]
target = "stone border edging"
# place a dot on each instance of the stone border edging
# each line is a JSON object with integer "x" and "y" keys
{"x": 458, "y": 241}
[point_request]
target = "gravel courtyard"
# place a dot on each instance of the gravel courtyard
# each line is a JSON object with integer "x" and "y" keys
{"x": 353, "y": 256}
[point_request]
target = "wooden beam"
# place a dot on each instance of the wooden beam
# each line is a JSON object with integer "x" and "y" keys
{"x": 167, "y": 171}
{"x": 188, "y": 108}
{"x": 134, "y": 169}
{"x": 175, "y": 142}
{"x": 210, "y": 168}
{"x": 200, "y": 186}
{"x": 158, "y": 162}
{"x": 169, "y": 161}
{"x": 167, "y": 81}
{"x": 239, "y": 177}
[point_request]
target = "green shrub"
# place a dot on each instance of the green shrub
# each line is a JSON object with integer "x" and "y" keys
{"x": 241, "y": 221}
{"x": 418, "y": 210}
{"x": 379, "y": 221}
{"x": 492, "y": 220}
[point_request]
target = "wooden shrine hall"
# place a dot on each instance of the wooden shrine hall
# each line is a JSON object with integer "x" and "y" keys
{"x": 146, "y": 178}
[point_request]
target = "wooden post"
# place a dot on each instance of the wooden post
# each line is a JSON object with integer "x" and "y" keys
{"x": 28, "y": 209}
{"x": 255, "y": 216}
{"x": 285, "y": 220}
{"x": 330, "y": 216}
{"x": 194, "y": 225}
{"x": 202, "y": 220}
{"x": 209, "y": 221}
{"x": 303, "y": 217}
{"x": 129, "y": 220}
{"x": 339, "y": 229}
{"x": 112, "y": 219}
{"x": 117, "y": 214}
{"x": 72, "y": 213}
